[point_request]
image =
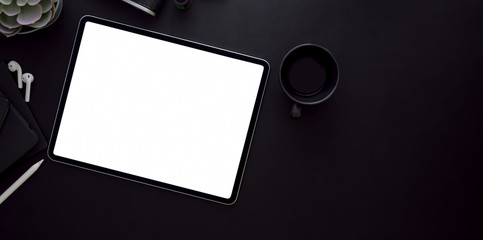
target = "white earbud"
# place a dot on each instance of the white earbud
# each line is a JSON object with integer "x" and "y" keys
{"x": 27, "y": 78}
{"x": 14, "y": 66}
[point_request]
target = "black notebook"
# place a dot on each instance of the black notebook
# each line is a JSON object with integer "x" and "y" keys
{"x": 16, "y": 136}
{"x": 4, "y": 106}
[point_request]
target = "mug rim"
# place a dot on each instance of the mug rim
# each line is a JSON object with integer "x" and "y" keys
{"x": 291, "y": 94}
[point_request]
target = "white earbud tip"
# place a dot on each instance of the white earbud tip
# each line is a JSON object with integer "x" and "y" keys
{"x": 27, "y": 78}
{"x": 13, "y": 66}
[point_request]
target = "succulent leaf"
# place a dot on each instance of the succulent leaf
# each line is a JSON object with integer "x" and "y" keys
{"x": 6, "y": 1}
{"x": 46, "y": 5}
{"x": 46, "y": 17}
{"x": 29, "y": 14}
{"x": 6, "y": 30}
{"x": 9, "y": 21}
{"x": 22, "y": 2}
{"x": 11, "y": 10}
{"x": 9, "y": 32}
{"x": 33, "y": 2}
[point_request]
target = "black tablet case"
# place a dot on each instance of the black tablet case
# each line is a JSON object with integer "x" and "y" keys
{"x": 9, "y": 90}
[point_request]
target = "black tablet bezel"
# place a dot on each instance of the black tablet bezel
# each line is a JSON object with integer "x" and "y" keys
{"x": 183, "y": 42}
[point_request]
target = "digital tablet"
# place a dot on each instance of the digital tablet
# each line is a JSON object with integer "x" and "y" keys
{"x": 158, "y": 110}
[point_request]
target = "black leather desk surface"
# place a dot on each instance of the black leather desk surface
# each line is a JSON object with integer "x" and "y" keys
{"x": 395, "y": 154}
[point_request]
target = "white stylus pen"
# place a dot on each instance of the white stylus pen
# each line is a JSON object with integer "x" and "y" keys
{"x": 19, "y": 181}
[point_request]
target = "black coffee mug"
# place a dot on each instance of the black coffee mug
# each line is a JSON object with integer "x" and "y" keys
{"x": 309, "y": 75}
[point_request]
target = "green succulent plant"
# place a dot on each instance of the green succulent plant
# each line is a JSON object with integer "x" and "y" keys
{"x": 27, "y": 15}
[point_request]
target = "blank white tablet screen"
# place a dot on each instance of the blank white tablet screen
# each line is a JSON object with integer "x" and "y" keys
{"x": 158, "y": 110}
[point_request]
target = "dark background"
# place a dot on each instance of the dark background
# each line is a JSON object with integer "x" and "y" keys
{"x": 394, "y": 154}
